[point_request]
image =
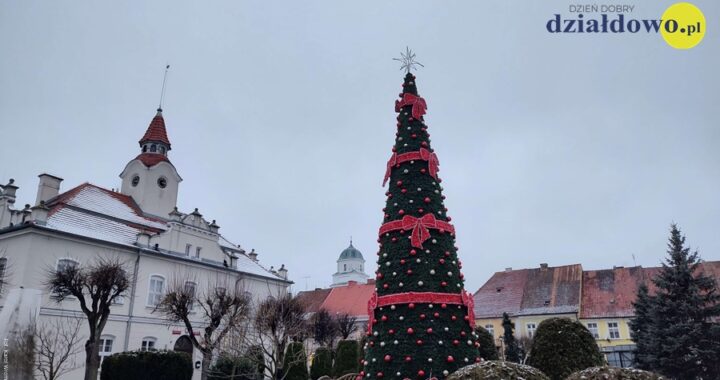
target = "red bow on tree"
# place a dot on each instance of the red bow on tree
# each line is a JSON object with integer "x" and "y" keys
{"x": 372, "y": 304}
{"x": 432, "y": 160}
{"x": 419, "y": 227}
{"x": 422, "y": 154}
{"x": 468, "y": 301}
{"x": 418, "y": 105}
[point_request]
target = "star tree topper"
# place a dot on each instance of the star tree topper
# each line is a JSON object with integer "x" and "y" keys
{"x": 408, "y": 60}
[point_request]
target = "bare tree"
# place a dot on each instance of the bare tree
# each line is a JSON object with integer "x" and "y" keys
{"x": 57, "y": 344}
{"x": 95, "y": 287}
{"x": 277, "y": 322}
{"x": 325, "y": 328}
{"x": 525, "y": 347}
{"x": 222, "y": 311}
{"x": 347, "y": 325}
{"x": 19, "y": 357}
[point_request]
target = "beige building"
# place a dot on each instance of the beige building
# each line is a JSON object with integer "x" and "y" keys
{"x": 139, "y": 224}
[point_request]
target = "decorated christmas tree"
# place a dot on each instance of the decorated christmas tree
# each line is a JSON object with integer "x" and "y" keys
{"x": 420, "y": 318}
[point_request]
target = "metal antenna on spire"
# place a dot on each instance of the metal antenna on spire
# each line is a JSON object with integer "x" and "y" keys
{"x": 408, "y": 60}
{"x": 162, "y": 93}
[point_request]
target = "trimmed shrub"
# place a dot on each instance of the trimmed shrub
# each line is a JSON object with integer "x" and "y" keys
{"x": 488, "y": 350}
{"x": 612, "y": 373}
{"x": 256, "y": 355}
{"x": 321, "y": 363}
{"x": 147, "y": 365}
{"x": 497, "y": 370}
{"x": 562, "y": 346}
{"x": 347, "y": 358}
{"x": 295, "y": 362}
{"x": 234, "y": 368}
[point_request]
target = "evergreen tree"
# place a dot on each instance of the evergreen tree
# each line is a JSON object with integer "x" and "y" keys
{"x": 682, "y": 314}
{"x": 295, "y": 362}
{"x": 346, "y": 358}
{"x": 562, "y": 346}
{"x": 420, "y": 323}
{"x": 642, "y": 330}
{"x": 321, "y": 363}
{"x": 512, "y": 351}
{"x": 488, "y": 350}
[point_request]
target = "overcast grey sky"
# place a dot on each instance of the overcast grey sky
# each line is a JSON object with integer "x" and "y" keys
{"x": 553, "y": 148}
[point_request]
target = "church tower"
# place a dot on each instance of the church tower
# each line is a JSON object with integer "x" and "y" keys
{"x": 150, "y": 178}
{"x": 350, "y": 267}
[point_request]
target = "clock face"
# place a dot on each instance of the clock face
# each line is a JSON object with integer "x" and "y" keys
{"x": 162, "y": 182}
{"x": 135, "y": 181}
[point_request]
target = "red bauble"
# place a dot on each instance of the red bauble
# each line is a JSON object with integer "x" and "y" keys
{"x": 436, "y": 315}
{"x": 409, "y": 271}
{"x": 463, "y": 333}
{"x": 379, "y": 276}
{"x": 411, "y": 305}
{"x": 456, "y": 342}
{"x": 447, "y": 253}
{"x": 394, "y": 239}
{"x": 399, "y": 183}
{"x": 421, "y": 210}
{"x": 449, "y": 219}
{"x": 391, "y": 331}
{"x": 419, "y": 342}
{"x": 444, "y": 306}
{"x": 408, "y": 359}
{"x": 467, "y": 318}
{"x": 423, "y": 170}
{"x": 379, "y": 374}
{"x": 427, "y": 199}
{"x": 402, "y": 261}
{"x": 450, "y": 359}
{"x": 384, "y": 318}
{"x": 429, "y": 330}
{"x": 401, "y": 212}
{"x": 413, "y": 136}
{"x": 421, "y": 373}
{"x": 443, "y": 284}
{"x": 442, "y": 261}
{"x": 425, "y": 144}
{"x": 410, "y": 330}
{"x": 477, "y": 359}
{"x": 413, "y": 252}
{"x": 454, "y": 318}
{"x": 422, "y": 316}
{"x": 385, "y": 286}
{"x": 388, "y": 358}
{"x": 403, "y": 191}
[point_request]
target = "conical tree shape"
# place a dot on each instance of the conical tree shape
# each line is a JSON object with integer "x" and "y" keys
{"x": 421, "y": 322}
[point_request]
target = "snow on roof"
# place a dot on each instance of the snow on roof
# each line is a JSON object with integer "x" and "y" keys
{"x": 247, "y": 265}
{"x": 96, "y": 227}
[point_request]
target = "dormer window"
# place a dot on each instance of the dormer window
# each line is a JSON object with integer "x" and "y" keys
{"x": 162, "y": 149}
{"x": 135, "y": 180}
{"x": 153, "y": 148}
{"x": 144, "y": 148}
{"x": 162, "y": 182}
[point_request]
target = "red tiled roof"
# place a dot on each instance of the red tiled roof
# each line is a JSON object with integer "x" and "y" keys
{"x": 152, "y": 159}
{"x": 501, "y": 294}
{"x": 351, "y": 299}
{"x": 610, "y": 293}
{"x": 156, "y": 131}
{"x": 313, "y": 299}
{"x": 552, "y": 290}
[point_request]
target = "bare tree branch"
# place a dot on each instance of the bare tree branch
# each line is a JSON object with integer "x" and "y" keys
{"x": 57, "y": 344}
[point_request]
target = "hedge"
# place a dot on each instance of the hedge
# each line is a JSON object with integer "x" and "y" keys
{"x": 612, "y": 373}
{"x": 147, "y": 365}
{"x": 295, "y": 362}
{"x": 234, "y": 368}
{"x": 488, "y": 350}
{"x": 347, "y": 358}
{"x": 321, "y": 363}
{"x": 562, "y": 346}
{"x": 497, "y": 370}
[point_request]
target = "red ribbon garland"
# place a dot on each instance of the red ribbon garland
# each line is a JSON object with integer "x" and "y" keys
{"x": 422, "y": 154}
{"x": 419, "y": 226}
{"x": 464, "y": 298}
{"x": 418, "y": 104}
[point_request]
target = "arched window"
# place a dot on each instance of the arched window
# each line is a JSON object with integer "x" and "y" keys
{"x": 144, "y": 148}
{"x": 153, "y": 148}
{"x": 344, "y": 267}
{"x": 156, "y": 288}
{"x": 162, "y": 149}
{"x": 148, "y": 343}
{"x": 65, "y": 263}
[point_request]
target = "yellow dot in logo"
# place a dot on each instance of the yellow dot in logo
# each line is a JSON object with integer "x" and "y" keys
{"x": 683, "y": 25}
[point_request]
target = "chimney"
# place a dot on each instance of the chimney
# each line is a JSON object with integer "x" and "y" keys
{"x": 543, "y": 266}
{"x": 283, "y": 272}
{"x": 253, "y": 255}
{"x": 214, "y": 227}
{"x": 508, "y": 269}
{"x": 39, "y": 213}
{"x": 143, "y": 239}
{"x": 8, "y": 191}
{"x": 48, "y": 187}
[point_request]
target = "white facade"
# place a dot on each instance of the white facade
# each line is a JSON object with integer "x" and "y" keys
{"x": 142, "y": 227}
{"x": 350, "y": 267}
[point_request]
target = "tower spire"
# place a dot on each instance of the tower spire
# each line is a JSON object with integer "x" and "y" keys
{"x": 162, "y": 92}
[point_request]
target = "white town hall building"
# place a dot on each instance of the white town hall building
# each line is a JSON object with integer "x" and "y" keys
{"x": 140, "y": 225}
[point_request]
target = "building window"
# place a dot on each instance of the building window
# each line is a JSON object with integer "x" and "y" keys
{"x": 530, "y": 329}
{"x": 64, "y": 264}
{"x": 153, "y": 148}
{"x": 613, "y": 330}
{"x": 155, "y": 290}
{"x": 162, "y": 182}
{"x": 3, "y": 265}
{"x": 593, "y": 328}
{"x": 162, "y": 149}
{"x": 344, "y": 267}
{"x": 144, "y": 148}
{"x": 190, "y": 288}
{"x": 148, "y": 344}
{"x": 197, "y": 252}
{"x": 106, "y": 343}
{"x": 135, "y": 181}
{"x": 491, "y": 330}
{"x": 188, "y": 247}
